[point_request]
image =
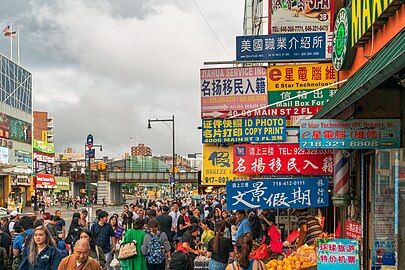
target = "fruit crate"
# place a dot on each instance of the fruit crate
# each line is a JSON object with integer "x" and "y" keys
{"x": 310, "y": 268}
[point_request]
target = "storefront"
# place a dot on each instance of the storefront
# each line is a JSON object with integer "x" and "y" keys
{"x": 62, "y": 188}
{"x": 20, "y": 190}
{"x": 372, "y": 60}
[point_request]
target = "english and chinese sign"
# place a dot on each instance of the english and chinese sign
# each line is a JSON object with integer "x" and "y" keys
{"x": 301, "y": 16}
{"x": 40, "y": 146}
{"x": 285, "y": 159}
{"x": 353, "y": 229}
{"x": 303, "y": 98}
{"x": 217, "y": 165}
{"x": 281, "y": 47}
{"x": 44, "y": 180}
{"x": 351, "y": 134}
{"x": 266, "y": 112}
{"x": 277, "y": 193}
{"x": 271, "y": 129}
{"x": 239, "y": 88}
{"x": 337, "y": 254}
{"x": 44, "y": 158}
{"x": 300, "y": 77}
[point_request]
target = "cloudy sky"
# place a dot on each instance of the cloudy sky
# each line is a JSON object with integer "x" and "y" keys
{"x": 106, "y": 66}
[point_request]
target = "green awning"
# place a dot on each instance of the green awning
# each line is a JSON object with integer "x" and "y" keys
{"x": 388, "y": 61}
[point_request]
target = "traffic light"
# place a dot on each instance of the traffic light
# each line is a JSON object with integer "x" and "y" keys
{"x": 102, "y": 166}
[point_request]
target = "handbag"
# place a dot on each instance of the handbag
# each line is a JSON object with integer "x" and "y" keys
{"x": 127, "y": 250}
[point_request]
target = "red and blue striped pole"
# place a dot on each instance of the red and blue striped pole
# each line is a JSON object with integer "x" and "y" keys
{"x": 341, "y": 179}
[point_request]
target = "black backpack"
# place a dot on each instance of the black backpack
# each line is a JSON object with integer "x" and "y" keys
{"x": 5, "y": 262}
{"x": 181, "y": 261}
{"x": 17, "y": 259}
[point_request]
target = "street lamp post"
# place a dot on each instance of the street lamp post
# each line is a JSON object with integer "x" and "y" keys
{"x": 89, "y": 153}
{"x": 173, "y": 187}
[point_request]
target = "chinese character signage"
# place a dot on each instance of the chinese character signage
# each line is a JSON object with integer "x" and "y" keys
{"x": 300, "y": 77}
{"x": 266, "y": 112}
{"x": 351, "y": 134}
{"x": 40, "y": 146}
{"x": 281, "y": 47}
{"x": 241, "y": 88}
{"x": 218, "y": 165}
{"x": 271, "y": 129}
{"x": 303, "y": 98}
{"x": 44, "y": 180}
{"x": 22, "y": 157}
{"x": 277, "y": 193}
{"x": 301, "y": 16}
{"x": 353, "y": 229}
{"x": 337, "y": 254}
{"x": 44, "y": 158}
{"x": 285, "y": 158}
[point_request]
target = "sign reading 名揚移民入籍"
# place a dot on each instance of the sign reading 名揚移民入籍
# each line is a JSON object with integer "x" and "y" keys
{"x": 235, "y": 88}
{"x": 217, "y": 166}
{"x": 281, "y": 47}
{"x": 351, "y": 134}
{"x": 277, "y": 193}
{"x": 337, "y": 254}
{"x": 271, "y": 129}
{"x": 285, "y": 158}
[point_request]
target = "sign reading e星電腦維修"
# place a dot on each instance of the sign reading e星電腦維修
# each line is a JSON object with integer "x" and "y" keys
{"x": 350, "y": 134}
{"x": 270, "y": 129}
{"x": 277, "y": 193}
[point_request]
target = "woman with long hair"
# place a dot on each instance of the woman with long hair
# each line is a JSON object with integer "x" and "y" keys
{"x": 208, "y": 231}
{"x": 73, "y": 233}
{"x": 41, "y": 253}
{"x": 244, "y": 246}
{"x": 118, "y": 229}
{"x": 95, "y": 251}
{"x": 217, "y": 214}
{"x": 220, "y": 248}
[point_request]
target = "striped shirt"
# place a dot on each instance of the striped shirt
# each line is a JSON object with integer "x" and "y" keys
{"x": 314, "y": 229}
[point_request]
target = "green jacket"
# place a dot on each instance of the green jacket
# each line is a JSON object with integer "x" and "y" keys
{"x": 139, "y": 261}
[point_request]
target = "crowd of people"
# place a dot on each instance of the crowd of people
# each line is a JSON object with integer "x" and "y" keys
{"x": 163, "y": 235}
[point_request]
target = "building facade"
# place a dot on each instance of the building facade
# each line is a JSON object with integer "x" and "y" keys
{"x": 141, "y": 150}
{"x": 15, "y": 135}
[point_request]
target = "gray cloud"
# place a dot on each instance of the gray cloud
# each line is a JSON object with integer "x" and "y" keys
{"x": 107, "y": 66}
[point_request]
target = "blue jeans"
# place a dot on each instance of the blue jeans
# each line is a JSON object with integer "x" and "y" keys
{"x": 214, "y": 265}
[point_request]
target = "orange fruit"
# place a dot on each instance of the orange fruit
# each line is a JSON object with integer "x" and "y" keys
{"x": 280, "y": 263}
{"x": 274, "y": 264}
{"x": 297, "y": 263}
{"x": 280, "y": 267}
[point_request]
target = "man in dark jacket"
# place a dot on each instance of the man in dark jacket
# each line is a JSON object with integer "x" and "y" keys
{"x": 165, "y": 222}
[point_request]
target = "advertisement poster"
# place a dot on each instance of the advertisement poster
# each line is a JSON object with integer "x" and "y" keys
{"x": 40, "y": 146}
{"x": 277, "y": 193}
{"x": 239, "y": 88}
{"x": 301, "y": 16}
{"x": 20, "y": 131}
{"x": 44, "y": 180}
{"x": 337, "y": 254}
{"x": 44, "y": 158}
{"x": 22, "y": 157}
{"x": 281, "y": 47}
{"x": 4, "y": 155}
{"x": 351, "y": 134}
{"x": 4, "y": 126}
{"x": 271, "y": 129}
{"x": 286, "y": 158}
{"x": 218, "y": 165}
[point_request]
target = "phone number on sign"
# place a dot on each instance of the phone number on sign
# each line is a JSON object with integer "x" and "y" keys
{"x": 340, "y": 144}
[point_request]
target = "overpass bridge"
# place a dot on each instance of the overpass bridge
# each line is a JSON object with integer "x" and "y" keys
{"x": 109, "y": 183}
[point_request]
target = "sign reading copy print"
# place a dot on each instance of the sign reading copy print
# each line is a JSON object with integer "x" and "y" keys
{"x": 239, "y": 88}
{"x": 277, "y": 193}
{"x": 286, "y": 158}
{"x": 271, "y": 129}
{"x": 218, "y": 165}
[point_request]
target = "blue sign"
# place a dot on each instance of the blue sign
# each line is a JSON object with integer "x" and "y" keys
{"x": 91, "y": 153}
{"x": 280, "y": 47}
{"x": 277, "y": 193}
{"x": 351, "y": 134}
{"x": 242, "y": 130}
{"x": 337, "y": 254}
{"x": 89, "y": 141}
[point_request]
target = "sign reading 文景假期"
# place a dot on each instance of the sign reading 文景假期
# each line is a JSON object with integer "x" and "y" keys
{"x": 277, "y": 193}
{"x": 351, "y": 134}
{"x": 280, "y": 47}
{"x": 271, "y": 129}
{"x": 337, "y": 254}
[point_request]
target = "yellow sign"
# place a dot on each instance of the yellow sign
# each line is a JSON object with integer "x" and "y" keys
{"x": 218, "y": 165}
{"x": 300, "y": 77}
{"x": 44, "y": 134}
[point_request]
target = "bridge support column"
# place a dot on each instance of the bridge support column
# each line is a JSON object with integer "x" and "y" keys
{"x": 103, "y": 190}
{"x": 75, "y": 189}
{"x": 116, "y": 193}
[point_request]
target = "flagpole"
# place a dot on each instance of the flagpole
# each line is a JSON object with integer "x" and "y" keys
{"x": 18, "y": 45}
{"x": 11, "y": 41}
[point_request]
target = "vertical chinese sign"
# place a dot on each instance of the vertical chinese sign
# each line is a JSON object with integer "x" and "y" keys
{"x": 218, "y": 165}
{"x": 337, "y": 254}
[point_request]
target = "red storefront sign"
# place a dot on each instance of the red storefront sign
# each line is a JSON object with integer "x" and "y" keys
{"x": 291, "y": 111}
{"x": 353, "y": 229}
{"x": 44, "y": 180}
{"x": 285, "y": 159}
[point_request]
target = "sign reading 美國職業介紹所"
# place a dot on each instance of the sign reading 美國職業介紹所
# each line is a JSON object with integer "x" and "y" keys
{"x": 217, "y": 166}
{"x": 343, "y": 53}
{"x": 277, "y": 193}
{"x": 337, "y": 254}
{"x": 302, "y": 98}
{"x": 281, "y": 47}
{"x": 286, "y": 158}
{"x": 351, "y": 134}
{"x": 300, "y": 77}
{"x": 236, "y": 88}
{"x": 271, "y": 129}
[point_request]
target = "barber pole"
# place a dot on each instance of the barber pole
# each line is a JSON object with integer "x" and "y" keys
{"x": 341, "y": 179}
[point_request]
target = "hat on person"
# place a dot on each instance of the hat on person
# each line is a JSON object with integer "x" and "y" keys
{"x": 14, "y": 213}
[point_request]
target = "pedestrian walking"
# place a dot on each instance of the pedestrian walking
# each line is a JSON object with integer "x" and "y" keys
{"x": 137, "y": 234}
{"x": 80, "y": 259}
{"x": 95, "y": 251}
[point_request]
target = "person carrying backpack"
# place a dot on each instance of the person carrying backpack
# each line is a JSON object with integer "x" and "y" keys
{"x": 155, "y": 247}
{"x": 22, "y": 240}
{"x": 5, "y": 262}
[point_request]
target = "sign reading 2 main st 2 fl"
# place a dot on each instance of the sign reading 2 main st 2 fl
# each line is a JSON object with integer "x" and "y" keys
{"x": 271, "y": 129}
